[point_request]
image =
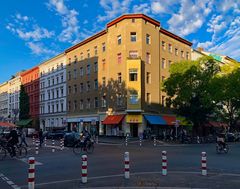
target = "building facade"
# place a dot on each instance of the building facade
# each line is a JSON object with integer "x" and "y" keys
{"x": 53, "y": 93}
{"x": 114, "y": 78}
{"x": 30, "y": 80}
{"x": 14, "y": 92}
{"x": 4, "y": 101}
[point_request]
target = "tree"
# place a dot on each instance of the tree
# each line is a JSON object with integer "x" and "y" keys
{"x": 226, "y": 95}
{"x": 188, "y": 89}
{"x": 24, "y": 104}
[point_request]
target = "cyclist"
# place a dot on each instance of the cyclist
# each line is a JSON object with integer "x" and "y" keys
{"x": 221, "y": 140}
{"x": 12, "y": 140}
{"x": 86, "y": 136}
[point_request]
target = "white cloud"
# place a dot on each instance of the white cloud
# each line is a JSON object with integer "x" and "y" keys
{"x": 142, "y": 8}
{"x": 216, "y": 24}
{"x": 190, "y": 16}
{"x": 85, "y": 22}
{"x": 113, "y": 8}
{"x": 69, "y": 21}
{"x": 21, "y": 18}
{"x": 39, "y": 49}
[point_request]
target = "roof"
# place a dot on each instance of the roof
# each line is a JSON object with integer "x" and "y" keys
{"x": 130, "y": 16}
{"x": 168, "y": 33}
{"x": 29, "y": 71}
{"x": 113, "y": 119}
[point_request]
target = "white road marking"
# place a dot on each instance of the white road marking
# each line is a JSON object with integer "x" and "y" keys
{"x": 25, "y": 160}
{"x": 9, "y": 182}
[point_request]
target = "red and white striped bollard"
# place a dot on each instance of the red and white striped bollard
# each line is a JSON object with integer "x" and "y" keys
{"x": 84, "y": 169}
{"x": 204, "y": 163}
{"x": 31, "y": 173}
{"x": 53, "y": 146}
{"x": 126, "y": 166}
{"x": 37, "y": 147}
{"x": 45, "y": 141}
{"x": 164, "y": 163}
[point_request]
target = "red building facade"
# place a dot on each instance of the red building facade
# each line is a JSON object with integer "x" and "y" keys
{"x": 30, "y": 81}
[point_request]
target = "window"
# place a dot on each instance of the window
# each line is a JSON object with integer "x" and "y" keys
{"x": 75, "y": 88}
{"x": 57, "y": 80}
{"x": 75, "y": 74}
{"x": 163, "y": 78}
{"x": 119, "y": 78}
{"x": 69, "y": 89}
{"x": 88, "y": 53}
{"x": 103, "y": 47}
{"x": 176, "y": 51}
{"x": 163, "y": 63}
{"x": 57, "y": 107}
{"x": 119, "y": 99}
{"x": 88, "y": 103}
{"x": 61, "y": 107}
{"x": 52, "y": 108}
{"x": 163, "y": 101}
{"x": 96, "y": 102}
{"x": 182, "y": 54}
{"x": 81, "y": 104}
{"x": 61, "y": 65}
{"x": 169, "y": 63}
{"x": 75, "y": 105}
{"x": 69, "y": 75}
{"x": 103, "y": 64}
{"x": 69, "y": 61}
{"x": 57, "y": 93}
{"x": 81, "y": 87}
{"x": 148, "y": 98}
{"x": 95, "y": 67}
{"x": 81, "y": 71}
{"x": 148, "y": 79}
{"x": 148, "y": 39}
{"x": 88, "y": 69}
{"x": 148, "y": 58}
{"x": 49, "y": 96}
{"x": 49, "y": 82}
{"x": 52, "y": 94}
{"x": 49, "y": 109}
{"x": 95, "y": 84}
{"x": 187, "y": 55}
{"x": 119, "y": 58}
{"x": 75, "y": 59}
{"x": 133, "y": 20}
{"x": 170, "y": 48}
{"x": 95, "y": 51}
{"x": 133, "y": 37}
{"x": 133, "y": 74}
{"x": 88, "y": 85}
{"x": 163, "y": 45}
{"x": 104, "y": 81}
{"x": 119, "y": 39}
{"x": 62, "y": 91}
{"x": 81, "y": 55}
{"x": 104, "y": 102}
{"x": 133, "y": 98}
{"x": 133, "y": 54}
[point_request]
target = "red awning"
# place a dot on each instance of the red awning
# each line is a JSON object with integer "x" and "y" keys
{"x": 216, "y": 124}
{"x": 169, "y": 119}
{"x": 6, "y": 124}
{"x": 113, "y": 119}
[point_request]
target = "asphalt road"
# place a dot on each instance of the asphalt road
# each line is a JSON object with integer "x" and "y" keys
{"x": 62, "y": 169}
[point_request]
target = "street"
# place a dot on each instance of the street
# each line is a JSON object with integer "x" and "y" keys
{"x": 62, "y": 169}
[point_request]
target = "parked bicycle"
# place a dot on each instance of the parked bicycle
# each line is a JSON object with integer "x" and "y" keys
{"x": 83, "y": 146}
{"x": 21, "y": 151}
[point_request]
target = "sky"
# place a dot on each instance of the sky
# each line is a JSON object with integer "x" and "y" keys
{"x": 32, "y": 31}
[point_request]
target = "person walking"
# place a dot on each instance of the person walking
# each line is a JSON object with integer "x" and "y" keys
{"x": 23, "y": 137}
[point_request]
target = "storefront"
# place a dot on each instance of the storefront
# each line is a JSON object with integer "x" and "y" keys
{"x": 113, "y": 125}
{"x": 135, "y": 127}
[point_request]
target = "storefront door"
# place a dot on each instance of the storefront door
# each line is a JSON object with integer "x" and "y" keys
{"x": 134, "y": 129}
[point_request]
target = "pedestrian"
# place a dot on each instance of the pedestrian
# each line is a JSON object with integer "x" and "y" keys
{"x": 23, "y": 137}
{"x": 40, "y": 135}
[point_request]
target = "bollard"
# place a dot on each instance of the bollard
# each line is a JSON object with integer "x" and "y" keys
{"x": 33, "y": 140}
{"x": 126, "y": 165}
{"x": 53, "y": 143}
{"x": 140, "y": 141}
{"x": 204, "y": 163}
{"x": 37, "y": 147}
{"x": 84, "y": 169}
{"x": 62, "y": 144}
{"x": 154, "y": 141}
{"x": 126, "y": 140}
{"x": 96, "y": 139}
{"x": 164, "y": 163}
{"x": 31, "y": 173}
{"x": 45, "y": 141}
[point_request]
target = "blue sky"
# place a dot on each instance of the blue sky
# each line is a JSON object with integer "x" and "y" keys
{"x": 32, "y": 31}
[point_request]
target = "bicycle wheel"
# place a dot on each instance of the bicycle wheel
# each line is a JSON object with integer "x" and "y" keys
{"x": 21, "y": 152}
{"x": 3, "y": 153}
{"x": 77, "y": 149}
{"x": 90, "y": 148}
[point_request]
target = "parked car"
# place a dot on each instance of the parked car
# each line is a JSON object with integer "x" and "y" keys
{"x": 55, "y": 134}
{"x": 71, "y": 138}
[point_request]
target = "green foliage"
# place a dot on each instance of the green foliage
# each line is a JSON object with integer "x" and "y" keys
{"x": 188, "y": 89}
{"x": 24, "y": 104}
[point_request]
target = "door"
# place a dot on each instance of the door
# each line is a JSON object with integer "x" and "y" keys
{"x": 134, "y": 129}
